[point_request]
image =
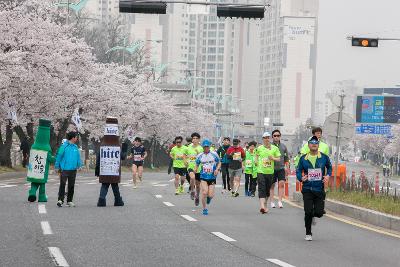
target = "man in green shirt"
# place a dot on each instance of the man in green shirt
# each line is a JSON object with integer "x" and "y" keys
{"x": 192, "y": 151}
{"x": 249, "y": 166}
{"x": 178, "y": 155}
{"x": 323, "y": 147}
{"x": 265, "y": 157}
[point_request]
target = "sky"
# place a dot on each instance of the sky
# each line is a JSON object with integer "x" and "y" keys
{"x": 338, "y": 60}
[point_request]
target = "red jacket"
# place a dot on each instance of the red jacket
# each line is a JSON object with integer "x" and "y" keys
{"x": 236, "y": 159}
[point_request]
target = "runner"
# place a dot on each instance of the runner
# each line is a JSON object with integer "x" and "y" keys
{"x": 225, "y": 163}
{"x": 138, "y": 153}
{"x": 313, "y": 171}
{"x": 211, "y": 165}
{"x": 323, "y": 147}
{"x": 265, "y": 157}
{"x": 191, "y": 154}
{"x": 188, "y": 143}
{"x": 170, "y": 147}
{"x": 280, "y": 169}
{"x": 249, "y": 169}
{"x": 178, "y": 156}
{"x": 236, "y": 155}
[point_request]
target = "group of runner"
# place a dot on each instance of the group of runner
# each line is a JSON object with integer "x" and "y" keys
{"x": 264, "y": 166}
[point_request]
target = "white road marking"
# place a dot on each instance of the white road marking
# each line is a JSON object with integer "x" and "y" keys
{"x": 155, "y": 183}
{"x": 159, "y": 185}
{"x": 280, "y": 263}
{"x": 58, "y": 257}
{"x": 92, "y": 183}
{"x": 169, "y": 204}
{"x": 46, "y": 228}
{"x": 173, "y": 179}
{"x": 42, "y": 209}
{"x": 7, "y": 185}
{"x": 190, "y": 219}
{"x": 158, "y": 196}
{"x": 224, "y": 237}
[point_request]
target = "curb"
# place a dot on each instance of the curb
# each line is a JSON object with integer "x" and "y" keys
{"x": 362, "y": 214}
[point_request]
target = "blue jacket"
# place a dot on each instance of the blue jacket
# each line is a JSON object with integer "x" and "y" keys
{"x": 323, "y": 162}
{"x": 68, "y": 157}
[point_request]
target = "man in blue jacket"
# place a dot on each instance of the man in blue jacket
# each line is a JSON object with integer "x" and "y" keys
{"x": 68, "y": 160}
{"x": 314, "y": 169}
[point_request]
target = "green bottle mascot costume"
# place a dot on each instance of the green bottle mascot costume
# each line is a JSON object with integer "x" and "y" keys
{"x": 39, "y": 161}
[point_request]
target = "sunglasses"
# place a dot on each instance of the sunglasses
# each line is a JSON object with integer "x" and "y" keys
{"x": 277, "y": 135}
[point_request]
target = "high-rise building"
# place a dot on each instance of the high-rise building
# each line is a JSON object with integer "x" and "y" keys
{"x": 287, "y": 63}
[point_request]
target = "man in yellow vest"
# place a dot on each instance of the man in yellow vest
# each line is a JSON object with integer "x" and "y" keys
{"x": 323, "y": 147}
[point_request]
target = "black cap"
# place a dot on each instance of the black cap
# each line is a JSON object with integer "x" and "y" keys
{"x": 313, "y": 140}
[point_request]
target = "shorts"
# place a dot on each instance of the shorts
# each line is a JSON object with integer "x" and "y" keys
{"x": 279, "y": 175}
{"x": 210, "y": 182}
{"x": 180, "y": 171}
{"x": 138, "y": 163}
{"x": 196, "y": 175}
{"x": 264, "y": 184}
{"x": 235, "y": 173}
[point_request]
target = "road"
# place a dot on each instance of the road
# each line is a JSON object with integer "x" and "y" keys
{"x": 151, "y": 231}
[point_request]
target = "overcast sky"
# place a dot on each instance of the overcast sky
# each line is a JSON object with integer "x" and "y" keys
{"x": 338, "y": 60}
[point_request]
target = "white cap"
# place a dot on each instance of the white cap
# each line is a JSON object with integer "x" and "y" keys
{"x": 266, "y": 134}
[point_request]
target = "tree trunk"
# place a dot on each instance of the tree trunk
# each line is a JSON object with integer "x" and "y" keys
{"x": 85, "y": 144}
{"x": 56, "y": 139}
{"x": 5, "y": 147}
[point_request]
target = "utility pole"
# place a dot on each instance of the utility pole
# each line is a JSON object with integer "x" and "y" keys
{"x": 338, "y": 133}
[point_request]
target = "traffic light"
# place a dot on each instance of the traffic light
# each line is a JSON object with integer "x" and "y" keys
{"x": 137, "y": 6}
{"x": 250, "y": 12}
{"x": 364, "y": 42}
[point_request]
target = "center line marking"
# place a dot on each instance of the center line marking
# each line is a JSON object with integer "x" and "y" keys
{"x": 169, "y": 204}
{"x": 224, "y": 237}
{"x": 42, "y": 209}
{"x": 280, "y": 263}
{"x": 190, "y": 219}
{"x": 46, "y": 228}
{"x": 158, "y": 196}
{"x": 58, "y": 257}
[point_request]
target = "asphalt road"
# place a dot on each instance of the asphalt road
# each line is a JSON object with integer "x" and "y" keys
{"x": 147, "y": 232}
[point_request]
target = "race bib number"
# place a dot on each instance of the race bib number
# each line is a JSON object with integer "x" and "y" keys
{"x": 37, "y": 164}
{"x": 110, "y": 160}
{"x": 266, "y": 163}
{"x": 315, "y": 174}
{"x": 179, "y": 157}
{"x": 137, "y": 158}
{"x": 249, "y": 163}
{"x": 237, "y": 156}
{"x": 208, "y": 168}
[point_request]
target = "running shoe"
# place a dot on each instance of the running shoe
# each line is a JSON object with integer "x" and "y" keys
{"x": 273, "y": 205}
{"x": 253, "y": 195}
{"x": 71, "y": 204}
{"x": 59, "y": 203}
{"x": 192, "y": 195}
{"x": 232, "y": 193}
{"x": 205, "y": 212}
{"x": 280, "y": 205}
{"x": 177, "y": 191}
{"x": 208, "y": 200}
{"x": 134, "y": 186}
{"x": 236, "y": 194}
{"x": 181, "y": 190}
{"x": 308, "y": 238}
{"x": 196, "y": 201}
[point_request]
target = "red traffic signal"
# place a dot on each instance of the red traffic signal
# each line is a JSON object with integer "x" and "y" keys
{"x": 137, "y": 6}
{"x": 364, "y": 42}
{"x": 249, "y": 12}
